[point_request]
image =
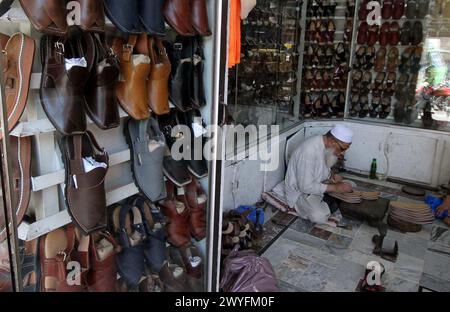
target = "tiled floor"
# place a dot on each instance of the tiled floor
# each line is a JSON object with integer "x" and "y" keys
{"x": 306, "y": 257}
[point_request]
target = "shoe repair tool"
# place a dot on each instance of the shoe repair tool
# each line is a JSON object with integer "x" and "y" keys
{"x": 387, "y": 250}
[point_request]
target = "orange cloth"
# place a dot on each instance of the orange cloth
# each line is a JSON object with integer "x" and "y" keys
{"x": 234, "y": 46}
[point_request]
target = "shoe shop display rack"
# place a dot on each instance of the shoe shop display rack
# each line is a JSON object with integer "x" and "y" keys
{"x": 47, "y": 204}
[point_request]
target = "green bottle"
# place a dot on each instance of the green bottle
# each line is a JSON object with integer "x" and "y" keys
{"x": 373, "y": 169}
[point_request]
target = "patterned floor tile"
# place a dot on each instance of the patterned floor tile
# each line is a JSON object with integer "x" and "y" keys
{"x": 286, "y": 287}
{"x": 320, "y": 233}
{"x": 304, "y": 238}
{"x": 315, "y": 278}
{"x": 302, "y": 225}
{"x": 337, "y": 244}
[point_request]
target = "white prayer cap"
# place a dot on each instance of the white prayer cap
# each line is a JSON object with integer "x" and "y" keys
{"x": 342, "y": 133}
{"x": 246, "y": 7}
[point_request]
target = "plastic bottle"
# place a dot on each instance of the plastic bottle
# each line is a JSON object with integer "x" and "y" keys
{"x": 373, "y": 169}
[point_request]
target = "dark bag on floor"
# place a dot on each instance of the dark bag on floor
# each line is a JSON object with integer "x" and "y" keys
{"x": 245, "y": 271}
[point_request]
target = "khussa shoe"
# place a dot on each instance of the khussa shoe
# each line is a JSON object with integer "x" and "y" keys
{"x": 131, "y": 89}
{"x": 66, "y": 69}
{"x": 178, "y": 14}
{"x": 17, "y": 54}
{"x": 151, "y": 16}
{"x": 148, "y": 147}
{"x": 20, "y": 149}
{"x": 123, "y": 15}
{"x": 47, "y": 16}
{"x": 399, "y": 9}
{"x": 177, "y": 212}
{"x": 181, "y": 84}
{"x": 86, "y": 166}
{"x": 338, "y": 105}
{"x": 101, "y": 101}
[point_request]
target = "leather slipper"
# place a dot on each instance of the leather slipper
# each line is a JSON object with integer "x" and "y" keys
{"x": 92, "y": 15}
{"x": 18, "y": 58}
{"x": 150, "y": 15}
{"x": 178, "y": 14}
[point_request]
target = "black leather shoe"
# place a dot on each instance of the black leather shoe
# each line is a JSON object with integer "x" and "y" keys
{"x": 151, "y": 16}
{"x": 123, "y": 15}
{"x": 174, "y": 169}
{"x": 198, "y": 98}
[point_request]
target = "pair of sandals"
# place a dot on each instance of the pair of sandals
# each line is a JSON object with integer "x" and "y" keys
{"x": 410, "y": 60}
{"x": 139, "y": 230}
{"x": 411, "y": 33}
{"x": 364, "y": 58}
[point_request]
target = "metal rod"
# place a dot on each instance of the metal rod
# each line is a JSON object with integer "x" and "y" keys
{"x": 10, "y": 215}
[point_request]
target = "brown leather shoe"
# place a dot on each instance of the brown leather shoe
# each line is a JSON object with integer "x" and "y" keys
{"x": 92, "y": 15}
{"x": 62, "y": 88}
{"x": 47, "y": 16}
{"x": 177, "y": 212}
{"x": 86, "y": 166}
{"x": 380, "y": 59}
{"x": 20, "y": 149}
{"x": 132, "y": 87}
{"x": 101, "y": 101}
{"x": 56, "y": 250}
{"x": 18, "y": 59}
{"x": 178, "y": 14}
{"x": 200, "y": 17}
{"x": 392, "y": 59}
{"x": 102, "y": 276}
{"x": 197, "y": 201}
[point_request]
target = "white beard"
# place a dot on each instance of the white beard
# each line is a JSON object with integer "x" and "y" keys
{"x": 330, "y": 158}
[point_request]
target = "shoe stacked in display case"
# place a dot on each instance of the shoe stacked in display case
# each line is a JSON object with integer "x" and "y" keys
{"x": 328, "y": 35}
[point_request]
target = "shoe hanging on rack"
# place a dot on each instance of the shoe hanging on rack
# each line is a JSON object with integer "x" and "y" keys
{"x": 394, "y": 34}
{"x": 376, "y": 102}
{"x": 387, "y": 9}
{"x": 392, "y": 59}
{"x": 380, "y": 59}
{"x": 399, "y": 9}
{"x": 123, "y": 14}
{"x": 48, "y": 16}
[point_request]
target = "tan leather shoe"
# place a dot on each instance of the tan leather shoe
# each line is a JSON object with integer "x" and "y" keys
{"x": 48, "y": 16}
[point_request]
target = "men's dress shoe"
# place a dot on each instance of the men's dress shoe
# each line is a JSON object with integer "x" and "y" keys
{"x": 49, "y": 16}
{"x": 178, "y": 215}
{"x": 86, "y": 166}
{"x": 174, "y": 169}
{"x": 131, "y": 89}
{"x": 20, "y": 151}
{"x": 200, "y": 17}
{"x": 102, "y": 105}
{"x": 147, "y": 146}
{"x": 18, "y": 55}
{"x": 178, "y": 14}
{"x": 92, "y": 15}
{"x": 123, "y": 15}
{"x": 151, "y": 16}
{"x": 387, "y": 9}
{"x": 181, "y": 84}
{"x": 399, "y": 9}
{"x": 384, "y": 34}
{"x": 198, "y": 98}
{"x": 158, "y": 82}
{"x": 66, "y": 70}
